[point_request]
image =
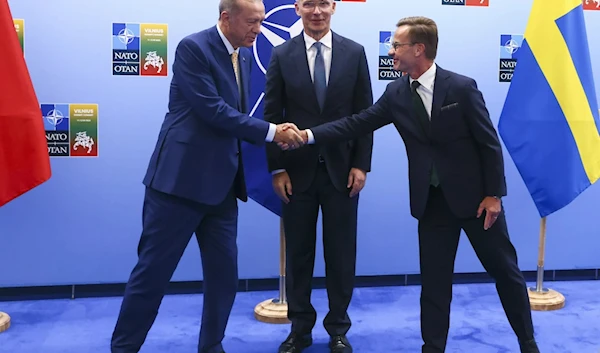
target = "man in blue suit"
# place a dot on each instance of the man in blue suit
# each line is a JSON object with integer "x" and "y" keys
{"x": 195, "y": 176}
{"x": 456, "y": 173}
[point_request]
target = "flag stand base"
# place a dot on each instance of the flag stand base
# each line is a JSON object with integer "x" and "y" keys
{"x": 4, "y": 321}
{"x": 545, "y": 300}
{"x": 272, "y": 311}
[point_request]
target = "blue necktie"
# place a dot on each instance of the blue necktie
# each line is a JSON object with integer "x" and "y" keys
{"x": 320, "y": 80}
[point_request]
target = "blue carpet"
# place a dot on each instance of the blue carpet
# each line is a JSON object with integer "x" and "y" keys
{"x": 384, "y": 320}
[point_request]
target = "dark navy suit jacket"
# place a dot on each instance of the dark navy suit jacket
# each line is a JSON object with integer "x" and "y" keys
{"x": 290, "y": 97}
{"x": 197, "y": 155}
{"x": 462, "y": 141}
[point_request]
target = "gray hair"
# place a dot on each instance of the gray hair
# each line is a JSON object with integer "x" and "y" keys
{"x": 231, "y": 6}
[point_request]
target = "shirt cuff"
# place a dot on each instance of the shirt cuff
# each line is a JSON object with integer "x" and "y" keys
{"x": 311, "y": 138}
{"x": 277, "y": 171}
{"x": 271, "y": 133}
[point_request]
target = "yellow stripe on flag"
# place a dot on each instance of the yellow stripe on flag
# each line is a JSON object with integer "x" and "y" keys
{"x": 552, "y": 54}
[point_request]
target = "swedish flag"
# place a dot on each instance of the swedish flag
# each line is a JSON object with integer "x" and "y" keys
{"x": 550, "y": 122}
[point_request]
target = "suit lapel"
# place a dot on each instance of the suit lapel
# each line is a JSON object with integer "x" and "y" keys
{"x": 245, "y": 84}
{"x": 440, "y": 89}
{"x": 337, "y": 65}
{"x": 224, "y": 61}
{"x": 304, "y": 79}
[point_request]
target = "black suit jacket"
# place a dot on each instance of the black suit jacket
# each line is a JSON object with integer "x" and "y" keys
{"x": 290, "y": 97}
{"x": 462, "y": 141}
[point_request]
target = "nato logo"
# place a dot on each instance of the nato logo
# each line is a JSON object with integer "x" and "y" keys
{"x": 56, "y": 124}
{"x": 385, "y": 43}
{"x": 126, "y": 48}
{"x": 509, "y": 52}
{"x": 385, "y": 69}
{"x": 281, "y": 24}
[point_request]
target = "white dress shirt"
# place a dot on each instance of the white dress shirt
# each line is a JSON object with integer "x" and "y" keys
{"x": 228, "y": 45}
{"x": 230, "y": 50}
{"x": 425, "y": 90}
{"x": 311, "y": 54}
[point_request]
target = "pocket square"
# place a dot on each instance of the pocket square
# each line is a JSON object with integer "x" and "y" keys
{"x": 449, "y": 106}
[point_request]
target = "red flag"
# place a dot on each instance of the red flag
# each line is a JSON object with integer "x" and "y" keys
{"x": 24, "y": 160}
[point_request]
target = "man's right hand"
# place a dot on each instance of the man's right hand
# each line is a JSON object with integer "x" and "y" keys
{"x": 288, "y": 134}
{"x": 282, "y": 186}
{"x": 303, "y": 134}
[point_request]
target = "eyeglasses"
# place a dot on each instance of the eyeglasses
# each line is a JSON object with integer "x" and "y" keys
{"x": 312, "y": 4}
{"x": 396, "y": 45}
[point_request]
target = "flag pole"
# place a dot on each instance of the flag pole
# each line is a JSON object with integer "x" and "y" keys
{"x": 540, "y": 298}
{"x": 4, "y": 321}
{"x": 274, "y": 311}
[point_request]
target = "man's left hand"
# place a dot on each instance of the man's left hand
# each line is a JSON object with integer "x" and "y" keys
{"x": 356, "y": 181}
{"x": 492, "y": 207}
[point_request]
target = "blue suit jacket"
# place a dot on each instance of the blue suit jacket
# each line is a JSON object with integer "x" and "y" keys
{"x": 197, "y": 155}
{"x": 462, "y": 141}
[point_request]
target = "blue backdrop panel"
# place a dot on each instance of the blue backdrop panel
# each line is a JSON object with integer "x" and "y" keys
{"x": 84, "y": 224}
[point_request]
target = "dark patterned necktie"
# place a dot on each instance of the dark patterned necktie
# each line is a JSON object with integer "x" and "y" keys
{"x": 424, "y": 118}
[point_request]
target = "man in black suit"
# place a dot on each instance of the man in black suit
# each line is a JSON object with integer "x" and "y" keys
{"x": 315, "y": 77}
{"x": 456, "y": 174}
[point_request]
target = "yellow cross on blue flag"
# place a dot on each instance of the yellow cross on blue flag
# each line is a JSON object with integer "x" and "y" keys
{"x": 549, "y": 123}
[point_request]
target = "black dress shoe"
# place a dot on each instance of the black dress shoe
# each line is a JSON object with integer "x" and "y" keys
{"x": 339, "y": 344}
{"x": 529, "y": 347}
{"x": 295, "y": 343}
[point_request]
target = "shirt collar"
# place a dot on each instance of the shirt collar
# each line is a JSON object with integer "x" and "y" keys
{"x": 309, "y": 41}
{"x": 428, "y": 78}
{"x": 228, "y": 45}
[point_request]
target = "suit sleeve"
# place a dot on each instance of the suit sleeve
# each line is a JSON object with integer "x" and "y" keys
{"x": 357, "y": 125}
{"x": 197, "y": 84}
{"x": 487, "y": 139}
{"x": 273, "y": 108}
{"x": 363, "y": 99}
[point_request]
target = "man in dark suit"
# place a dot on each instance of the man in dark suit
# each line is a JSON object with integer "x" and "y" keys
{"x": 456, "y": 174}
{"x": 315, "y": 77}
{"x": 195, "y": 175}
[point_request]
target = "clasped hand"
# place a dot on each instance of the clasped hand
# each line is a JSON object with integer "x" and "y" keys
{"x": 288, "y": 136}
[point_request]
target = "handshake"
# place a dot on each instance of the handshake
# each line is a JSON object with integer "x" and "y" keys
{"x": 288, "y": 136}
